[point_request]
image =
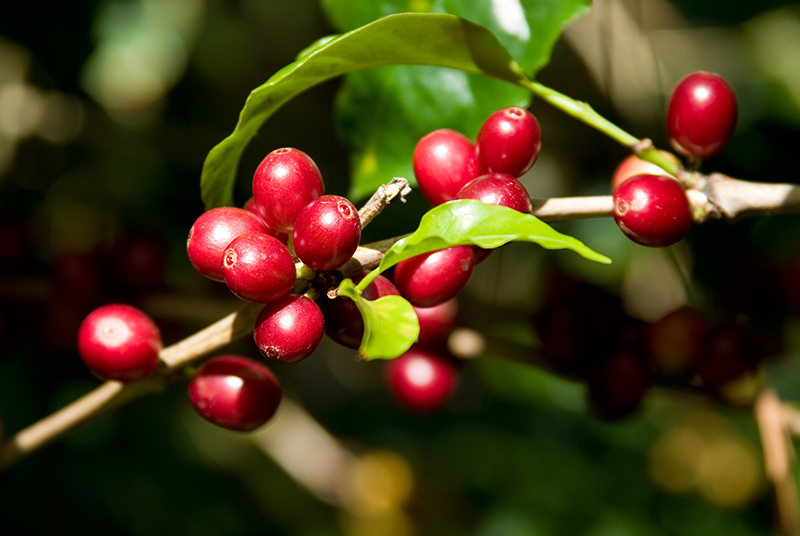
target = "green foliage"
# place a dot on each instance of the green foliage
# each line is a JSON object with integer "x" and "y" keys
{"x": 383, "y": 113}
{"x": 470, "y": 222}
{"x": 418, "y": 39}
{"x": 390, "y": 324}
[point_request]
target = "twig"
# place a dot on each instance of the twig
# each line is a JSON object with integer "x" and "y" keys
{"x": 778, "y": 458}
{"x": 395, "y": 189}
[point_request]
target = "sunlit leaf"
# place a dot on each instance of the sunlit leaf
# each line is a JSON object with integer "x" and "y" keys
{"x": 390, "y": 324}
{"x": 407, "y": 39}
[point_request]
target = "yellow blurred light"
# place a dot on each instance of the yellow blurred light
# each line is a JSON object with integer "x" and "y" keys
{"x": 673, "y": 459}
{"x": 729, "y": 472}
{"x": 394, "y": 523}
{"x": 21, "y": 109}
{"x": 381, "y": 481}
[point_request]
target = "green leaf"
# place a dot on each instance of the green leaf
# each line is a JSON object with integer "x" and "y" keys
{"x": 390, "y": 324}
{"x": 409, "y": 39}
{"x": 467, "y": 221}
{"x": 381, "y": 114}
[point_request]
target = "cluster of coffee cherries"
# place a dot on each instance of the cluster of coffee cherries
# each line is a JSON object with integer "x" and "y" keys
{"x": 586, "y": 334}
{"x": 651, "y": 206}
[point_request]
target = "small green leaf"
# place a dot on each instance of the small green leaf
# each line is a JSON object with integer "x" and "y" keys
{"x": 407, "y": 39}
{"x": 467, "y": 221}
{"x": 390, "y": 324}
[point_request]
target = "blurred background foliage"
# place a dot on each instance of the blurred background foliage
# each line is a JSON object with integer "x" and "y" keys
{"x": 107, "y": 111}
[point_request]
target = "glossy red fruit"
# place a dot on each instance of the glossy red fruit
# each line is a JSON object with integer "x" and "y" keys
{"x": 444, "y": 161}
{"x": 499, "y": 189}
{"x": 289, "y": 329}
{"x": 343, "y": 322}
{"x": 509, "y": 141}
{"x": 652, "y": 210}
{"x": 119, "y": 342}
{"x": 701, "y": 115}
{"x": 235, "y": 393}
{"x": 633, "y": 165}
{"x": 258, "y": 268}
{"x": 285, "y": 182}
{"x": 327, "y": 232}
{"x": 421, "y": 381}
{"x": 432, "y": 278}
{"x": 250, "y": 206}
{"x": 436, "y": 323}
{"x": 211, "y": 234}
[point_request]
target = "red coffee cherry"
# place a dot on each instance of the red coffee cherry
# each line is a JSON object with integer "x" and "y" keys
{"x": 616, "y": 386}
{"x": 444, "y": 161}
{"x": 235, "y": 393}
{"x": 289, "y": 329}
{"x": 436, "y": 323}
{"x": 327, "y": 232}
{"x": 652, "y": 210}
{"x": 343, "y": 322}
{"x": 285, "y": 182}
{"x": 633, "y": 165}
{"x": 432, "y": 278}
{"x": 509, "y": 142}
{"x": 250, "y": 206}
{"x": 421, "y": 381}
{"x": 701, "y": 115}
{"x": 119, "y": 342}
{"x": 211, "y": 234}
{"x": 258, "y": 268}
{"x": 498, "y": 189}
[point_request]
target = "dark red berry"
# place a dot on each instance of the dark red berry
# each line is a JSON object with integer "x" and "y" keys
{"x": 616, "y": 386}
{"x": 119, "y": 342}
{"x": 250, "y": 206}
{"x": 509, "y": 142}
{"x": 285, "y": 182}
{"x": 676, "y": 342}
{"x": 730, "y": 352}
{"x": 289, "y": 329}
{"x": 498, "y": 189}
{"x": 343, "y": 322}
{"x": 421, "y": 381}
{"x": 327, "y": 232}
{"x": 444, "y": 161}
{"x": 141, "y": 260}
{"x": 258, "y": 268}
{"x": 436, "y": 323}
{"x": 652, "y": 210}
{"x": 235, "y": 393}
{"x": 432, "y": 278}
{"x": 211, "y": 234}
{"x": 701, "y": 115}
{"x": 79, "y": 279}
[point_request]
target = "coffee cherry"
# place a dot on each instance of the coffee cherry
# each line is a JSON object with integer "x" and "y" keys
{"x": 498, "y": 189}
{"x": 211, "y": 234}
{"x": 258, "y": 268}
{"x": 285, "y": 182}
{"x": 235, "y": 393}
{"x": 676, "y": 341}
{"x": 432, "y": 278}
{"x": 327, "y": 232}
{"x": 509, "y": 141}
{"x": 119, "y": 342}
{"x": 701, "y": 115}
{"x": 731, "y": 351}
{"x": 250, "y": 206}
{"x": 343, "y": 322}
{"x": 652, "y": 210}
{"x": 616, "y": 386}
{"x": 421, "y": 381}
{"x": 633, "y": 165}
{"x": 436, "y": 323}
{"x": 444, "y": 161}
{"x": 289, "y": 329}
